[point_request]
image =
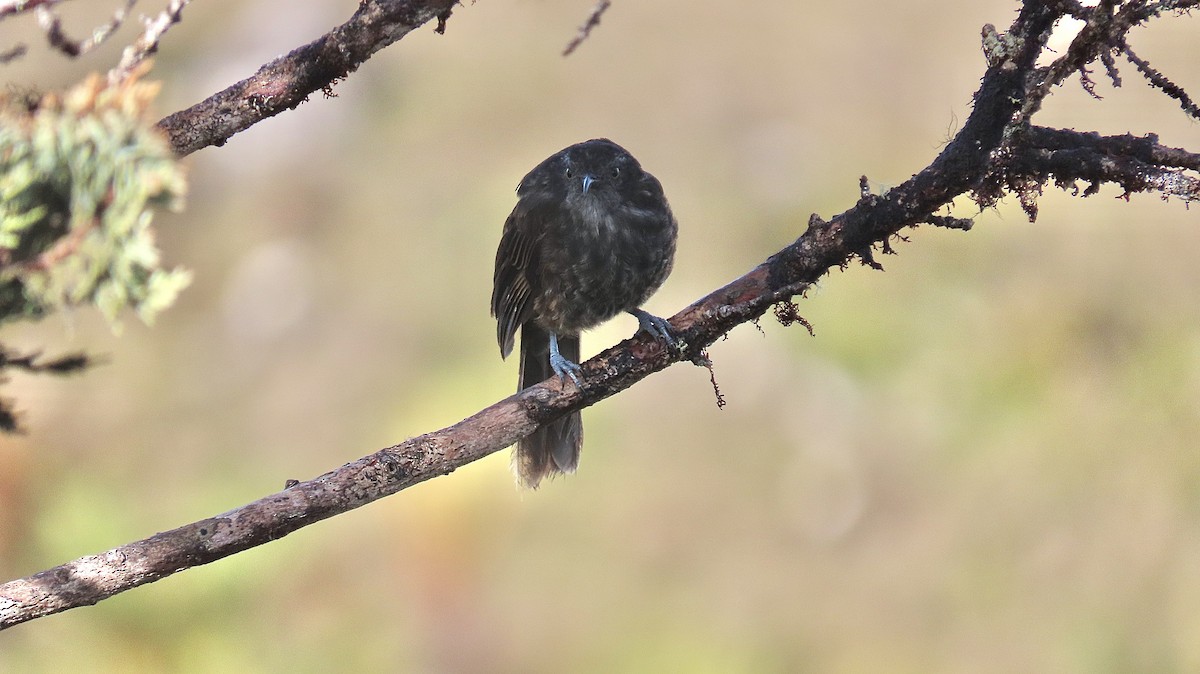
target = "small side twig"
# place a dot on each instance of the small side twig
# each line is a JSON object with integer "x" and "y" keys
{"x": 586, "y": 29}
{"x": 1110, "y": 68}
{"x": 10, "y": 418}
{"x": 948, "y": 222}
{"x": 32, "y": 362}
{"x": 1160, "y": 81}
{"x": 10, "y": 7}
{"x": 52, "y": 24}
{"x": 147, "y": 43}
{"x": 13, "y": 53}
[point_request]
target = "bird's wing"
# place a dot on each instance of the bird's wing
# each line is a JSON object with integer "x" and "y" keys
{"x": 514, "y": 284}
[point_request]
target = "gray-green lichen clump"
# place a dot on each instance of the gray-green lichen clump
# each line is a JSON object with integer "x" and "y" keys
{"x": 80, "y": 176}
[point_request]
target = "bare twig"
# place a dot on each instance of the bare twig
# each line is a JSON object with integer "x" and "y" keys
{"x": 994, "y": 153}
{"x": 947, "y": 222}
{"x": 52, "y": 24}
{"x": 147, "y": 43}
{"x": 33, "y": 362}
{"x": 10, "y": 421}
{"x": 585, "y": 30}
{"x": 13, "y": 53}
{"x": 10, "y": 7}
{"x": 1160, "y": 81}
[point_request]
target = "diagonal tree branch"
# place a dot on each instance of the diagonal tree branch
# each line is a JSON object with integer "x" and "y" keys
{"x": 996, "y": 152}
{"x": 287, "y": 81}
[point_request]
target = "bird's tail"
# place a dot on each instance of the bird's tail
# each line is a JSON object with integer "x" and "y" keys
{"x": 553, "y": 448}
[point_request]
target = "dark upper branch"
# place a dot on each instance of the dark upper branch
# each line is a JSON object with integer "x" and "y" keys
{"x": 1145, "y": 149}
{"x": 1107, "y": 25}
{"x": 287, "y": 81}
{"x": 961, "y": 164}
{"x": 1136, "y": 164}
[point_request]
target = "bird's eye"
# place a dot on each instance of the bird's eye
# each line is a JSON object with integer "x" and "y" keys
{"x": 616, "y": 172}
{"x": 570, "y": 174}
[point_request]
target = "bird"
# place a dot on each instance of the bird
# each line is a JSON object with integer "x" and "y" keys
{"x": 591, "y": 236}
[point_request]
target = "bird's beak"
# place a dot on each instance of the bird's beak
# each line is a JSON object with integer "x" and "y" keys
{"x": 587, "y": 182}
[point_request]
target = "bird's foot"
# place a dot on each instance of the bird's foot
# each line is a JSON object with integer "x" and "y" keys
{"x": 561, "y": 366}
{"x": 658, "y": 328}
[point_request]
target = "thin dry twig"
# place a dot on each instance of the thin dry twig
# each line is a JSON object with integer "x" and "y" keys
{"x": 52, "y": 24}
{"x": 13, "y": 53}
{"x": 33, "y": 362}
{"x": 585, "y": 30}
{"x": 1160, "y": 81}
{"x": 147, "y": 43}
{"x": 10, "y": 7}
{"x": 10, "y": 421}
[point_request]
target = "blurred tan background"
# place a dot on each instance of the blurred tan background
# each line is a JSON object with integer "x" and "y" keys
{"x": 985, "y": 461}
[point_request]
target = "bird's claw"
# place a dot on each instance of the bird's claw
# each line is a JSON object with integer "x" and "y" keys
{"x": 656, "y": 327}
{"x": 562, "y": 367}
{"x": 565, "y": 368}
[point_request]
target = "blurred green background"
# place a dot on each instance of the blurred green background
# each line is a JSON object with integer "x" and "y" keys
{"x": 985, "y": 461}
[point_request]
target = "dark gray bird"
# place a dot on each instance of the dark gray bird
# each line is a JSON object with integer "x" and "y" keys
{"x": 591, "y": 236}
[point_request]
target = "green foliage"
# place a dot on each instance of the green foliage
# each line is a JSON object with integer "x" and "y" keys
{"x": 80, "y": 176}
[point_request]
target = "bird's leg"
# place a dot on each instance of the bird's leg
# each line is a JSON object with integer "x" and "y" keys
{"x": 561, "y": 366}
{"x": 658, "y": 328}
